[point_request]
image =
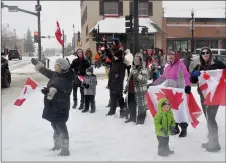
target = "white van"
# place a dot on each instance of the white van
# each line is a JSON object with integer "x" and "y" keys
{"x": 214, "y": 51}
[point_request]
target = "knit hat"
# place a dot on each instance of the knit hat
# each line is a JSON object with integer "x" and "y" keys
{"x": 63, "y": 63}
{"x": 118, "y": 54}
{"x": 90, "y": 69}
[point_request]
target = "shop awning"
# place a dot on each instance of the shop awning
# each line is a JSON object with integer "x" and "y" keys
{"x": 117, "y": 25}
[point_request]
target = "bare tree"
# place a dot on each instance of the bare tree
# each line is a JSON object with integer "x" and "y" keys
{"x": 7, "y": 37}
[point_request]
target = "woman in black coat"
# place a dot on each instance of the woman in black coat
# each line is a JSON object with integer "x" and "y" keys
{"x": 209, "y": 111}
{"x": 57, "y": 101}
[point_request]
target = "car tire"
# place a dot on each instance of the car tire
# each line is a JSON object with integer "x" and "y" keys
{"x": 6, "y": 80}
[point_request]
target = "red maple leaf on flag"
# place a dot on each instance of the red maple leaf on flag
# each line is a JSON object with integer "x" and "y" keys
{"x": 174, "y": 99}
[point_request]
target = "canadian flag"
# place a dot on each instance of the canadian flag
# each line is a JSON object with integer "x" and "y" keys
{"x": 59, "y": 35}
{"x": 30, "y": 85}
{"x": 81, "y": 78}
{"x": 184, "y": 106}
{"x": 213, "y": 86}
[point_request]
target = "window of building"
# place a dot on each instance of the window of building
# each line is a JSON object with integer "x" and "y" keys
{"x": 214, "y": 44}
{"x": 201, "y": 43}
{"x": 111, "y": 8}
{"x": 143, "y": 9}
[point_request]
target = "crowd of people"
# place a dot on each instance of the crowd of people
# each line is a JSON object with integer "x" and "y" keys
{"x": 141, "y": 67}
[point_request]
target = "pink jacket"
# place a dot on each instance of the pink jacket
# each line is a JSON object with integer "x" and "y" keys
{"x": 176, "y": 76}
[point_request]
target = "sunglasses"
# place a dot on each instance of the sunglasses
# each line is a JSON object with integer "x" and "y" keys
{"x": 203, "y": 53}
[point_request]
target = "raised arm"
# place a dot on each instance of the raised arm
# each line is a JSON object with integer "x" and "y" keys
{"x": 39, "y": 66}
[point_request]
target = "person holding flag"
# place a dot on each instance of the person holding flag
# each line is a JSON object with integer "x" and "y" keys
{"x": 57, "y": 101}
{"x": 206, "y": 63}
{"x": 176, "y": 76}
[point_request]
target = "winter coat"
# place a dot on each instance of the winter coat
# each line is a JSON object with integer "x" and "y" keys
{"x": 163, "y": 120}
{"x": 129, "y": 57}
{"x": 79, "y": 65}
{"x": 176, "y": 76}
{"x": 92, "y": 81}
{"x": 116, "y": 76}
{"x": 140, "y": 86}
{"x": 57, "y": 109}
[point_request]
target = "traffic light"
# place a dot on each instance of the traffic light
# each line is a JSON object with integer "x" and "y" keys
{"x": 36, "y": 37}
{"x": 144, "y": 30}
{"x": 129, "y": 23}
{"x": 79, "y": 36}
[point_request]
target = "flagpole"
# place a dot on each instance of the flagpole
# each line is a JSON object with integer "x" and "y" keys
{"x": 63, "y": 44}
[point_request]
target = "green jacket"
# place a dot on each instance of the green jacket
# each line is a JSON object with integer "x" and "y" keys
{"x": 163, "y": 120}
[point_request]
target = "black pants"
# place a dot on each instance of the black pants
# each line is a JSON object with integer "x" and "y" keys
{"x": 210, "y": 113}
{"x": 132, "y": 106}
{"x": 114, "y": 99}
{"x": 128, "y": 69}
{"x": 75, "y": 88}
{"x": 163, "y": 146}
{"x": 60, "y": 130}
{"x": 90, "y": 101}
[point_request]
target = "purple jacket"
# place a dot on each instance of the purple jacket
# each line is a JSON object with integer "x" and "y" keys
{"x": 176, "y": 76}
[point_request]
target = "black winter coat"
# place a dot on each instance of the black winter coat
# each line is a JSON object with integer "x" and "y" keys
{"x": 79, "y": 67}
{"x": 57, "y": 109}
{"x": 214, "y": 66}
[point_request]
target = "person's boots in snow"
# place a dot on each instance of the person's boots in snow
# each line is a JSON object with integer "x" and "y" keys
{"x": 176, "y": 129}
{"x": 57, "y": 143}
{"x": 163, "y": 152}
{"x": 93, "y": 107}
{"x": 213, "y": 144}
{"x": 85, "y": 110}
{"x": 122, "y": 113}
{"x": 74, "y": 105}
{"x": 184, "y": 127}
{"x": 81, "y": 107}
{"x": 131, "y": 119}
{"x": 141, "y": 118}
{"x": 109, "y": 103}
{"x": 168, "y": 150}
{"x": 65, "y": 148}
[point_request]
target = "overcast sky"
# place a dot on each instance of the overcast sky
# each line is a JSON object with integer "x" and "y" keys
{"x": 68, "y": 13}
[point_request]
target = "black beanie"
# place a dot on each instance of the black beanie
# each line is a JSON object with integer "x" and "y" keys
{"x": 90, "y": 69}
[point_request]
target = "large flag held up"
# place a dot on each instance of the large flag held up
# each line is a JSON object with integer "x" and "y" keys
{"x": 30, "y": 86}
{"x": 213, "y": 86}
{"x": 184, "y": 106}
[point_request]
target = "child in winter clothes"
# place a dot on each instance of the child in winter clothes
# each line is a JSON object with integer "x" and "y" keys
{"x": 89, "y": 84}
{"x": 164, "y": 126}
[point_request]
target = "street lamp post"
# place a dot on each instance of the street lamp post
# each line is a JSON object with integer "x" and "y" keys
{"x": 136, "y": 39}
{"x": 192, "y": 31}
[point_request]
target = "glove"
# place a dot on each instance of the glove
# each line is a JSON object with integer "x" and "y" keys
{"x": 172, "y": 131}
{"x": 196, "y": 74}
{"x": 34, "y": 61}
{"x": 85, "y": 85}
{"x": 187, "y": 89}
{"x": 164, "y": 132}
{"x": 45, "y": 90}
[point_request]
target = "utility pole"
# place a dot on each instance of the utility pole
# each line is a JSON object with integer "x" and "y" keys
{"x": 136, "y": 27}
{"x": 63, "y": 44}
{"x": 98, "y": 35}
{"x": 38, "y": 9}
{"x": 192, "y": 31}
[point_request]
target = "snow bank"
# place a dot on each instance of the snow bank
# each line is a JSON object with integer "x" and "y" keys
{"x": 95, "y": 137}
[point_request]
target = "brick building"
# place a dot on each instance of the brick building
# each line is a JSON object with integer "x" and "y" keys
{"x": 207, "y": 32}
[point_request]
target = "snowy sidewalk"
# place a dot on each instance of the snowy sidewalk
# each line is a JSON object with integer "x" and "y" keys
{"x": 95, "y": 137}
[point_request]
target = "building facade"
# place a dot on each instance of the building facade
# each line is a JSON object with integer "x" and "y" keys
{"x": 209, "y": 32}
{"x": 110, "y": 16}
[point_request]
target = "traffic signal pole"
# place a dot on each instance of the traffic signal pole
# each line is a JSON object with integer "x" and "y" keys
{"x": 136, "y": 39}
{"x": 39, "y": 32}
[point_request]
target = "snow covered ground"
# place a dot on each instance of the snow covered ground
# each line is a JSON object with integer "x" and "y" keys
{"x": 95, "y": 137}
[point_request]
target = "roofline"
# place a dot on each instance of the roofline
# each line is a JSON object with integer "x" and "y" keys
{"x": 197, "y": 19}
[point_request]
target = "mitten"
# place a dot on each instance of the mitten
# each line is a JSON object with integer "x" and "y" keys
{"x": 196, "y": 74}
{"x": 164, "y": 132}
{"x": 45, "y": 90}
{"x": 187, "y": 89}
{"x": 34, "y": 61}
{"x": 85, "y": 85}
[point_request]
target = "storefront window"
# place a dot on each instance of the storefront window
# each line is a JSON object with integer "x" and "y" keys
{"x": 214, "y": 44}
{"x": 184, "y": 45}
{"x": 169, "y": 45}
{"x": 202, "y": 43}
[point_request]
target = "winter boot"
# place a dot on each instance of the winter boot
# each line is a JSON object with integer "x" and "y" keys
{"x": 170, "y": 152}
{"x": 110, "y": 113}
{"x": 85, "y": 110}
{"x": 213, "y": 144}
{"x": 141, "y": 118}
{"x": 65, "y": 148}
{"x": 74, "y": 105}
{"x": 163, "y": 152}
{"x": 93, "y": 108}
{"x": 122, "y": 113}
{"x": 176, "y": 129}
{"x": 184, "y": 127}
{"x": 81, "y": 107}
{"x": 109, "y": 103}
{"x": 57, "y": 143}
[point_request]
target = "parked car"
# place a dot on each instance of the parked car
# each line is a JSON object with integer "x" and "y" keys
{"x": 14, "y": 54}
{"x": 5, "y": 73}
